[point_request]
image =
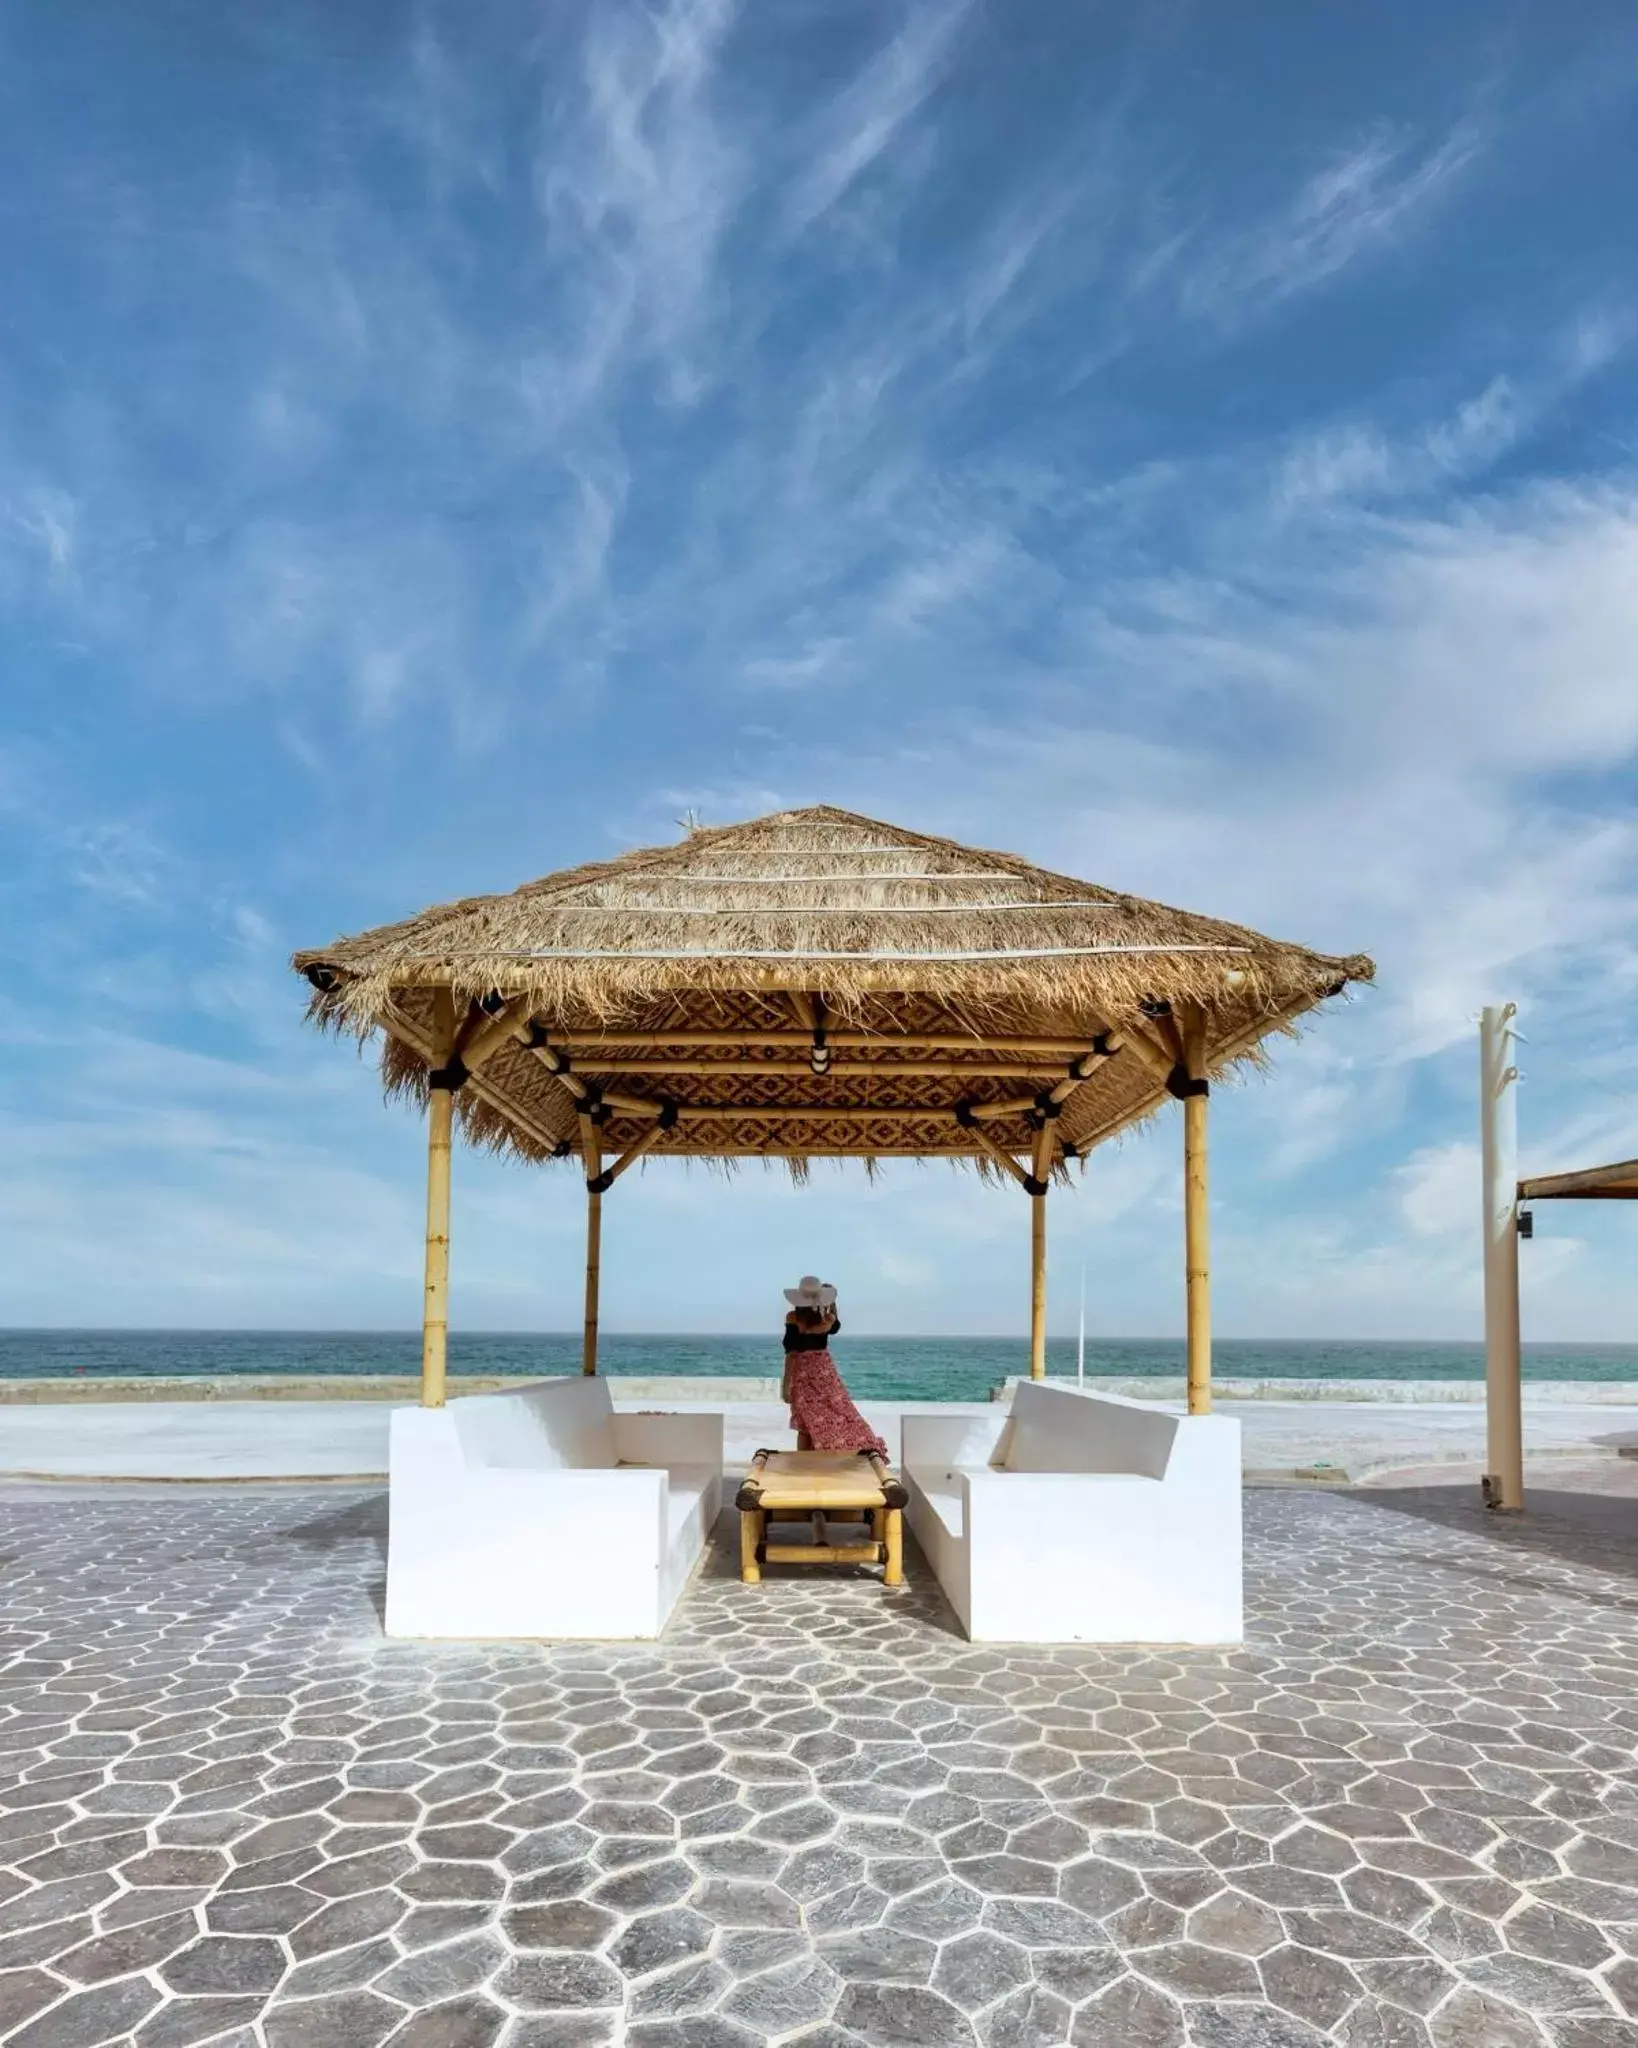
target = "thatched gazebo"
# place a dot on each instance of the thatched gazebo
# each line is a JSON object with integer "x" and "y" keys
{"x": 813, "y": 985}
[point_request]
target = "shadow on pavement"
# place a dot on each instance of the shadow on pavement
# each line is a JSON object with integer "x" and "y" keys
{"x": 1595, "y": 1530}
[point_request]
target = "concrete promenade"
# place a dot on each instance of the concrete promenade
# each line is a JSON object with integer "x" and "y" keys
{"x": 1404, "y": 1814}
{"x": 225, "y": 1439}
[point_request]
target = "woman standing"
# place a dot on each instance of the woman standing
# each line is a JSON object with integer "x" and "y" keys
{"x": 822, "y": 1410}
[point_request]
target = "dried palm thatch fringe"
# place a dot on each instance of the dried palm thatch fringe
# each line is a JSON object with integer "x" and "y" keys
{"x": 914, "y": 975}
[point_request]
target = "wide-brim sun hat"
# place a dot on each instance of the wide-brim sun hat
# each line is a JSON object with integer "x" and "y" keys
{"x": 811, "y": 1292}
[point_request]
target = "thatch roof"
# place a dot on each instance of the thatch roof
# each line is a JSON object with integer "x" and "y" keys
{"x": 813, "y": 984}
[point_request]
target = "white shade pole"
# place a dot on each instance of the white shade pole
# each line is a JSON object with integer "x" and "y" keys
{"x": 1498, "y": 1124}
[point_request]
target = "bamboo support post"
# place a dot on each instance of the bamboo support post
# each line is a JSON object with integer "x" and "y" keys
{"x": 753, "y": 1529}
{"x": 591, "y": 1145}
{"x": 1197, "y": 1217}
{"x": 1037, "y": 1287}
{"x": 1046, "y": 1143}
{"x": 893, "y": 1562}
{"x": 435, "y": 1285}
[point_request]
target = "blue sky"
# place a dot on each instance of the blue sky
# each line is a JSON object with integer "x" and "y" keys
{"x": 1194, "y": 447}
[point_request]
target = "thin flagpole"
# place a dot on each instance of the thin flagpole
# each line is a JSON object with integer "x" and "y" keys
{"x": 1080, "y": 1348}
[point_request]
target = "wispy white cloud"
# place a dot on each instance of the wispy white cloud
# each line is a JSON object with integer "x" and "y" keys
{"x": 1361, "y": 201}
{"x": 762, "y": 432}
{"x": 42, "y": 521}
{"x": 869, "y": 117}
{"x": 636, "y": 182}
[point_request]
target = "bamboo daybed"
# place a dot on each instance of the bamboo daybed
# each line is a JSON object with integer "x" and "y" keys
{"x": 814, "y": 984}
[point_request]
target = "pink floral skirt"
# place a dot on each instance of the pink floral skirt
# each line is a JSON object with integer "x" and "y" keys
{"x": 822, "y": 1410}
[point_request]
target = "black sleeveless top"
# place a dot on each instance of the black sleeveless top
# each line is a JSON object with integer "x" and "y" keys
{"x": 810, "y": 1340}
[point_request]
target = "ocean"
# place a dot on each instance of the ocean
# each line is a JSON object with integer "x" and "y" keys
{"x": 876, "y": 1368}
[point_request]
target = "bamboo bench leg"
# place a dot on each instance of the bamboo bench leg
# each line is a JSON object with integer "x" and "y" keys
{"x": 893, "y": 1571}
{"x": 752, "y": 1523}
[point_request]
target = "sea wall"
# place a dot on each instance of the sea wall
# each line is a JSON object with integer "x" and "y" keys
{"x": 667, "y": 1389}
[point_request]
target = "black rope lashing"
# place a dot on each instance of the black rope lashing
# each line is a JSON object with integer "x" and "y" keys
{"x": 592, "y": 1106}
{"x": 963, "y": 1114}
{"x": 1181, "y": 1083}
{"x": 1032, "y": 1186}
{"x": 536, "y": 1036}
{"x": 1046, "y": 1108}
{"x": 563, "y": 1148}
{"x": 599, "y": 1183}
{"x": 1102, "y": 1048}
{"x": 453, "y": 1074}
{"x": 669, "y": 1112}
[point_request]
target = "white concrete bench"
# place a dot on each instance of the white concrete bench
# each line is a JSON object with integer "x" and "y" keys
{"x": 1080, "y": 1518}
{"x": 542, "y": 1513}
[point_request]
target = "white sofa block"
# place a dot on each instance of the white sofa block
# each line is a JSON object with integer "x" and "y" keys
{"x": 541, "y": 1512}
{"x": 1080, "y": 1518}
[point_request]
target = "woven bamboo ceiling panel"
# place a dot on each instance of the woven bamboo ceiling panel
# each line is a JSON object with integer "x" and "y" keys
{"x": 813, "y": 984}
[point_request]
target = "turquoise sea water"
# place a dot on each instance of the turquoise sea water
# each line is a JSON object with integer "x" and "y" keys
{"x": 883, "y": 1368}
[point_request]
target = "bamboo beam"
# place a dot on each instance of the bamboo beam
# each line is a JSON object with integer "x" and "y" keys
{"x": 558, "y": 1064}
{"x": 1157, "y": 1057}
{"x": 819, "y": 1553}
{"x": 1196, "y": 1215}
{"x": 630, "y": 1105}
{"x": 819, "y": 1112}
{"x": 956, "y": 1154}
{"x": 591, "y": 1145}
{"x": 842, "y": 1039}
{"x": 488, "y": 1035}
{"x": 1230, "y": 1048}
{"x": 629, "y": 1157}
{"x": 1087, "y": 1065}
{"x": 639, "y": 1063}
{"x": 399, "y": 1027}
{"x": 999, "y": 1154}
{"x": 435, "y": 1279}
{"x": 998, "y": 1112}
{"x": 1080, "y": 1073}
{"x": 1593, "y": 1183}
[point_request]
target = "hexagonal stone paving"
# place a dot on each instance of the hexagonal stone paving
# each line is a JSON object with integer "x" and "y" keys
{"x": 1403, "y": 1815}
